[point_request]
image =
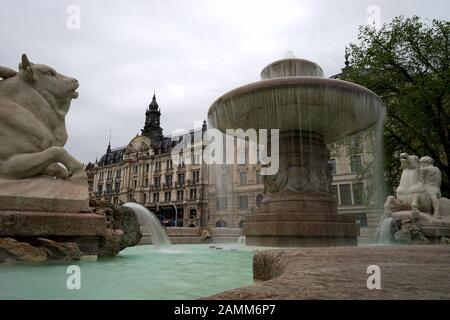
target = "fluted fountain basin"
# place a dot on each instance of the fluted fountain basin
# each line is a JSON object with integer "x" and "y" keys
{"x": 333, "y": 108}
{"x": 299, "y": 208}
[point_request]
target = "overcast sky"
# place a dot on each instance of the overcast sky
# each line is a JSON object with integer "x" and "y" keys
{"x": 190, "y": 52}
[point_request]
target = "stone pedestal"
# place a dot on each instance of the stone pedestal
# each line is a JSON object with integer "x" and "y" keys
{"x": 43, "y": 193}
{"x": 85, "y": 229}
{"x": 299, "y": 208}
{"x": 45, "y": 207}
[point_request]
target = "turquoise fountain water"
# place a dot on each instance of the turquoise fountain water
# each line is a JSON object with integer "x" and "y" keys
{"x": 142, "y": 272}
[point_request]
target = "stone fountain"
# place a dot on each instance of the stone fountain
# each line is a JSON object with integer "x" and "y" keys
{"x": 310, "y": 111}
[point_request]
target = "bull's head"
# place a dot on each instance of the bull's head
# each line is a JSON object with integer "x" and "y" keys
{"x": 47, "y": 81}
{"x": 409, "y": 161}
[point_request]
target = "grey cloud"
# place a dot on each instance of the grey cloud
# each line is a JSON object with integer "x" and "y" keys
{"x": 190, "y": 52}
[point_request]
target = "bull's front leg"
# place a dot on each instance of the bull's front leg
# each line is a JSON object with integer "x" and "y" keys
{"x": 75, "y": 168}
{"x": 26, "y": 165}
{"x": 57, "y": 170}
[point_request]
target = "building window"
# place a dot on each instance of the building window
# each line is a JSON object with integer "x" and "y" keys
{"x": 259, "y": 179}
{"x": 181, "y": 179}
{"x": 346, "y": 197}
{"x": 109, "y": 175}
{"x": 332, "y": 164}
{"x": 134, "y": 184}
{"x": 243, "y": 202}
{"x": 196, "y": 176}
{"x": 156, "y": 197}
{"x": 147, "y": 167}
{"x": 221, "y": 203}
{"x": 118, "y": 173}
{"x": 169, "y": 180}
{"x": 243, "y": 178}
{"x": 167, "y": 196}
{"x": 180, "y": 195}
{"x": 356, "y": 163}
{"x": 197, "y": 159}
{"x": 221, "y": 224}
{"x": 358, "y": 193}
{"x": 157, "y": 182}
{"x": 193, "y": 194}
{"x": 146, "y": 182}
{"x": 145, "y": 198}
{"x": 169, "y": 164}
{"x": 117, "y": 187}
{"x": 100, "y": 188}
{"x": 135, "y": 170}
{"x": 102, "y": 175}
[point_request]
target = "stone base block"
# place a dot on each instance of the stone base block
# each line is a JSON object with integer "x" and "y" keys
{"x": 300, "y": 230}
{"x": 43, "y": 193}
{"x": 85, "y": 229}
{"x": 432, "y": 228}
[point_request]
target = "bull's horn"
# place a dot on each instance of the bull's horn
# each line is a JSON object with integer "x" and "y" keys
{"x": 6, "y": 73}
{"x": 25, "y": 62}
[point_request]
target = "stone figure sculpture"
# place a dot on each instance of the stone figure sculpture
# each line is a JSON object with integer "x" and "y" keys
{"x": 419, "y": 189}
{"x": 411, "y": 193}
{"x": 33, "y": 104}
{"x": 418, "y": 214}
{"x": 432, "y": 179}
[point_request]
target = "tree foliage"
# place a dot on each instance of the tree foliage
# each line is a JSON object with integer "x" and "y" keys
{"x": 406, "y": 62}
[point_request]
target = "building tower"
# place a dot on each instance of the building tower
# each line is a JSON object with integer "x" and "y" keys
{"x": 152, "y": 128}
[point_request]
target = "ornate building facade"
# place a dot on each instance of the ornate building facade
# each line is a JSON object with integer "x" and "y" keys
{"x": 204, "y": 195}
{"x": 143, "y": 172}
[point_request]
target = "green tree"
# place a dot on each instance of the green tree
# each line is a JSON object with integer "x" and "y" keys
{"x": 406, "y": 62}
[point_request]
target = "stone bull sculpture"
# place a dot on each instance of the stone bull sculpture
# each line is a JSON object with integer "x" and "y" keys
{"x": 33, "y": 104}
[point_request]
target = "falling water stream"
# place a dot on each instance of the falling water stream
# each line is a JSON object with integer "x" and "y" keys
{"x": 146, "y": 218}
{"x": 385, "y": 231}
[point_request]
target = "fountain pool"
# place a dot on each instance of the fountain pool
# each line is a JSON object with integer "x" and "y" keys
{"x": 143, "y": 272}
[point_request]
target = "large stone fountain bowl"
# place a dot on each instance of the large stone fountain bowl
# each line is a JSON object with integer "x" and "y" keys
{"x": 332, "y": 108}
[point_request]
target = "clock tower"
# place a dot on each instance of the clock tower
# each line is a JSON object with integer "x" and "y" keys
{"x": 152, "y": 128}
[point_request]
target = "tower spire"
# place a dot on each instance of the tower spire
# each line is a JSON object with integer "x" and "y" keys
{"x": 153, "y": 106}
{"x": 152, "y": 128}
{"x": 108, "y": 150}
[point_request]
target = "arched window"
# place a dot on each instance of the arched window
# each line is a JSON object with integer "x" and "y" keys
{"x": 241, "y": 223}
{"x": 221, "y": 224}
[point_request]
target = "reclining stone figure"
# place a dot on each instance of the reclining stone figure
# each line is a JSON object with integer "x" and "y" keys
{"x": 33, "y": 104}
